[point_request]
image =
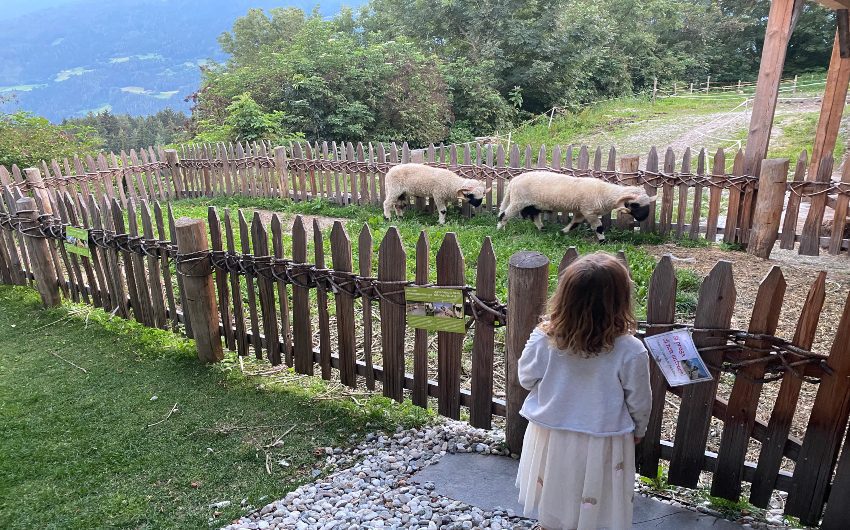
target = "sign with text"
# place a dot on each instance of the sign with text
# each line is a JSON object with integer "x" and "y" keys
{"x": 77, "y": 241}
{"x": 435, "y": 309}
{"x": 677, "y": 357}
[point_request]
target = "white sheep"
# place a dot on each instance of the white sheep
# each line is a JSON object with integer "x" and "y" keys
{"x": 587, "y": 198}
{"x": 419, "y": 180}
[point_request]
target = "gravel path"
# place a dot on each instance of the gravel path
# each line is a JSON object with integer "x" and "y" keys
{"x": 371, "y": 489}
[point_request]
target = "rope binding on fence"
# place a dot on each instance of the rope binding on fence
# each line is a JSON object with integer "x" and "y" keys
{"x": 778, "y": 354}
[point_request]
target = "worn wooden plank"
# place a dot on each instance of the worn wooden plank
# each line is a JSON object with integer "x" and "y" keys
{"x": 112, "y": 265}
{"x": 500, "y": 182}
{"x": 221, "y": 280}
{"x": 744, "y": 399}
{"x": 714, "y": 195}
{"x": 420, "y": 345}
{"x": 714, "y": 311}
{"x": 648, "y": 225}
{"x": 667, "y": 193}
{"x": 683, "y": 194}
{"x": 250, "y": 283}
{"x": 782, "y": 416}
{"x": 76, "y": 283}
{"x": 352, "y": 177}
{"x": 450, "y": 267}
{"x": 484, "y": 342}
{"x": 322, "y": 304}
{"x": 140, "y": 272}
{"x": 660, "y": 315}
{"x": 154, "y": 270}
{"x": 696, "y": 211}
{"x": 628, "y": 173}
{"x": 166, "y": 269}
{"x": 569, "y": 256}
{"x": 840, "y": 218}
{"x": 730, "y": 231}
{"x": 392, "y": 260}
{"x": 824, "y": 431}
{"x": 810, "y": 237}
{"x": 266, "y": 291}
{"x": 792, "y": 207}
{"x": 364, "y": 259}
{"x": 341, "y": 258}
{"x": 103, "y": 296}
{"x": 129, "y": 264}
{"x": 302, "y": 328}
{"x": 282, "y": 293}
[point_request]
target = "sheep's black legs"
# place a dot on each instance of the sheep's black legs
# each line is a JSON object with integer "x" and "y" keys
{"x": 575, "y": 221}
{"x": 596, "y": 225}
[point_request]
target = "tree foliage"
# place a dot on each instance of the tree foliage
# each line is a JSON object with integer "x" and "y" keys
{"x": 122, "y": 132}
{"x": 426, "y": 71}
{"x": 26, "y": 140}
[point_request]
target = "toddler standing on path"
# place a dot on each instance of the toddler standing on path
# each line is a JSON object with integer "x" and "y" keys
{"x": 589, "y": 401}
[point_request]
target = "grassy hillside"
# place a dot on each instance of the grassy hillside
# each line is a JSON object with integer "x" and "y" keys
{"x": 713, "y": 120}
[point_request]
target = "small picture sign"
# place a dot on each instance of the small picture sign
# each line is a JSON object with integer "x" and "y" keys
{"x": 677, "y": 357}
{"x": 435, "y": 309}
{"x": 77, "y": 241}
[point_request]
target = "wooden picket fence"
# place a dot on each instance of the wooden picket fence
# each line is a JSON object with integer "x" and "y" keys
{"x": 698, "y": 197}
{"x": 313, "y": 310}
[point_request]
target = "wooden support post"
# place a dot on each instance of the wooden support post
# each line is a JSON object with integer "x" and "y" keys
{"x": 38, "y": 250}
{"x": 199, "y": 289}
{"x": 780, "y": 24}
{"x": 528, "y": 284}
{"x": 707, "y": 84}
{"x": 831, "y": 108}
{"x": 654, "y": 92}
{"x": 768, "y": 209}
{"x": 176, "y": 177}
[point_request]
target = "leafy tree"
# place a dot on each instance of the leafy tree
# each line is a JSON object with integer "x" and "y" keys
{"x": 26, "y": 140}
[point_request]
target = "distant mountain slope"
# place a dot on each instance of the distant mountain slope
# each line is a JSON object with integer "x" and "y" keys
{"x": 130, "y": 56}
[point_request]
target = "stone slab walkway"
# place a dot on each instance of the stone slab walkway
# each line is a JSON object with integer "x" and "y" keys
{"x": 487, "y": 482}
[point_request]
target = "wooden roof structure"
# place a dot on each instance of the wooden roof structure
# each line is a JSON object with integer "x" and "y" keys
{"x": 835, "y": 4}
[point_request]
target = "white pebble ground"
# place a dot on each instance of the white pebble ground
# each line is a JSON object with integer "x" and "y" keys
{"x": 371, "y": 487}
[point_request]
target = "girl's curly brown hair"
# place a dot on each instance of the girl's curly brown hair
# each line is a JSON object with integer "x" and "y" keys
{"x": 592, "y": 306}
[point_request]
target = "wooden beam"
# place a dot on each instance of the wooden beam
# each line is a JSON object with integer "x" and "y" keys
{"x": 835, "y": 4}
{"x": 780, "y": 24}
{"x": 831, "y": 109}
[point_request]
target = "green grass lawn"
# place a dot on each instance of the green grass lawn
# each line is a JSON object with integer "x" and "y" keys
{"x": 84, "y": 445}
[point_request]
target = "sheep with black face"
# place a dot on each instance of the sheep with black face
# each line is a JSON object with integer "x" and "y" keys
{"x": 587, "y": 198}
{"x": 419, "y": 180}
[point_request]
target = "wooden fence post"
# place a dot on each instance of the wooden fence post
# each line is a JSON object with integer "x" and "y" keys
{"x": 528, "y": 285}
{"x": 628, "y": 172}
{"x": 768, "y": 210}
{"x": 199, "y": 289}
{"x": 282, "y": 171}
{"x": 176, "y": 179}
{"x": 38, "y": 250}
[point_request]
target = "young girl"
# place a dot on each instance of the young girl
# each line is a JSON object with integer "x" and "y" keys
{"x": 589, "y": 401}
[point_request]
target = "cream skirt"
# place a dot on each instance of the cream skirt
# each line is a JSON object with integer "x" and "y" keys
{"x": 577, "y": 481}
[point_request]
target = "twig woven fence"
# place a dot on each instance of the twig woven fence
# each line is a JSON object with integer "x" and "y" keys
{"x": 317, "y": 313}
{"x": 695, "y": 201}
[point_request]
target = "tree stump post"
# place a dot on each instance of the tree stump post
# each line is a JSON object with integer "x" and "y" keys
{"x": 198, "y": 286}
{"x": 38, "y": 250}
{"x": 768, "y": 209}
{"x": 176, "y": 177}
{"x": 528, "y": 285}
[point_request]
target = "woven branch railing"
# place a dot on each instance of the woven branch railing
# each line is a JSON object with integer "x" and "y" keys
{"x": 777, "y": 354}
